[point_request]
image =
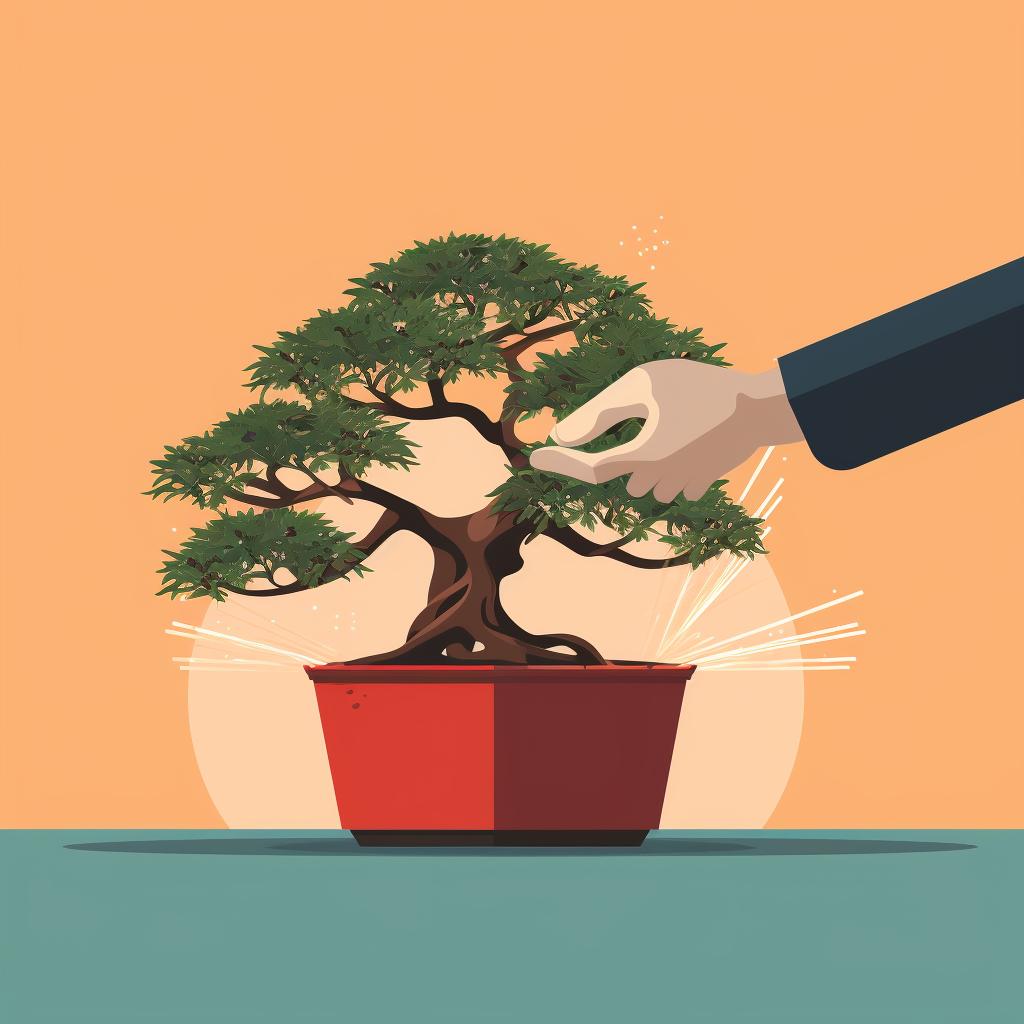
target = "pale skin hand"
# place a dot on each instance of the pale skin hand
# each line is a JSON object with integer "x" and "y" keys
{"x": 701, "y": 421}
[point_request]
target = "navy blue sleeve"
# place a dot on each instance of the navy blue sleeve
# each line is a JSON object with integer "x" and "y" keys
{"x": 911, "y": 373}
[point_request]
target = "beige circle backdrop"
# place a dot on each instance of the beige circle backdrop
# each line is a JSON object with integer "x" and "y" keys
{"x": 256, "y": 730}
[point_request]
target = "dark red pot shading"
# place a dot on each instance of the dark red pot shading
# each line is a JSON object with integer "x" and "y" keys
{"x": 493, "y": 754}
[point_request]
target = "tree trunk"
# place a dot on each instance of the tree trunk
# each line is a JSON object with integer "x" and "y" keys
{"x": 464, "y": 621}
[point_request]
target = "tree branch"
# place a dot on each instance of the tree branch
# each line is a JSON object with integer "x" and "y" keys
{"x": 509, "y": 410}
{"x": 273, "y": 591}
{"x": 517, "y": 348}
{"x": 499, "y": 334}
{"x": 387, "y": 526}
{"x": 285, "y": 500}
{"x": 574, "y": 541}
{"x": 442, "y": 408}
{"x": 267, "y": 486}
{"x": 409, "y": 515}
{"x": 348, "y": 489}
{"x": 437, "y": 395}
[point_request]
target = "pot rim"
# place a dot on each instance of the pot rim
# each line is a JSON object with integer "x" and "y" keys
{"x": 617, "y": 673}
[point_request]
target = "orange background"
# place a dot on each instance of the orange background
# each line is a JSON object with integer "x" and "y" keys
{"x": 188, "y": 179}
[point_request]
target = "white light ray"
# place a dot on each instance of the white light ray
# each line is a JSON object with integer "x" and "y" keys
{"x": 701, "y": 604}
{"x": 679, "y": 600}
{"x": 797, "y": 641}
{"x": 788, "y": 661}
{"x": 787, "y": 619}
{"x": 772, "y": 507}
{"x": 229, "y": 661}
{"x": 752, "y": 668}
{"x": 735, "y": 566}
{"x": 236, "y": 669}
{"x": 306, "y": 659}
{"x": 275, "y": 630}
{"x": 771, "y": 494}
{"x": 825, "y": 631}
{"x": 757, "y": 472}
{"x": 213, "y": 644}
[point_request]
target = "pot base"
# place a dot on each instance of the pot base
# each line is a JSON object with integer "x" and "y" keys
{"x": 502, "y": 837}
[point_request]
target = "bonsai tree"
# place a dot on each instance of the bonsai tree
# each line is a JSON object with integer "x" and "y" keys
{"x": 331, "y": 403}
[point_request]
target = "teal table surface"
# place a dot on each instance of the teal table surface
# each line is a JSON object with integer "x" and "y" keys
{"x": 693, "y": 926}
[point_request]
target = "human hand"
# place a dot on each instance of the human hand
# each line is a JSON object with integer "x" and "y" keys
{"x": 701, "y": 421}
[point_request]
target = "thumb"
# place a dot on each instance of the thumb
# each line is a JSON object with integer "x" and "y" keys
{"x": 591, "y": 467}
{"x": 622, "y": 400}
{"x": 566, "y": 462}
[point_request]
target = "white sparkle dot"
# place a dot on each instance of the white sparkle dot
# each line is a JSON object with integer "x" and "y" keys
{"x": 639, "y": 252}
{"x": 652, "y": 266}
{"x": 273, "y": 621}
{"x": 633, "y": 226}
{"x": 337, "y": 627}
{"x": 665, "y": 242}
{"x": 834, "y": 591}
{"x": 174, "y": 529}
{"x": 661, "y": 216}
{"x": 654, "y": 230}
{"x": 622, "y": 243}
{"x": 316, "y": 607}
{"x": 785, "y": 458}
{"x": 639, "y": 238}
{"x": 655, "y": 248}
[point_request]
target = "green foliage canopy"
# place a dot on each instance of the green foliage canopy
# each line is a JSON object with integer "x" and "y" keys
{"x": 464, "y": 304}
{"x": 311, "y": 437}
{"x": 236, "y": 549}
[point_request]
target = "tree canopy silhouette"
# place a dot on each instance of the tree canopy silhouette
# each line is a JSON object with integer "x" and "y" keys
{"x": 330, "y": 404}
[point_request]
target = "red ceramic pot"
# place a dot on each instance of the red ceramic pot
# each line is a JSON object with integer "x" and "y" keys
{"x": 500, "y": 755}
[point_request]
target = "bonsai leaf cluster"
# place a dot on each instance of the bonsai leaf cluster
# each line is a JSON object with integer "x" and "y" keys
{"x": 236, "y": 549}
{"x": 312, "y": 436}
{"x": 329, "y": 404}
